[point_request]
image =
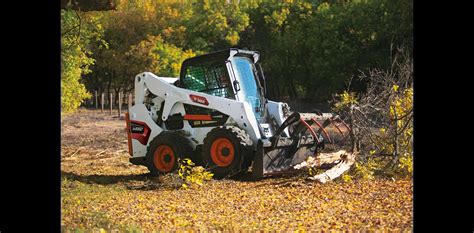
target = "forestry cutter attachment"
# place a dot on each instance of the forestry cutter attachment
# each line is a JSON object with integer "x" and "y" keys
{"x": 217, "y": 114}
{"x": 310, "y": 134}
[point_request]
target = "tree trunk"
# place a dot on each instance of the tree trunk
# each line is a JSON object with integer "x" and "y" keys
{"x": 109, "y": 83}
{"x": 395, "y": 140}
{"x": 293, "y": 91}
{"x": 116, "y": 90}
{"x": 354, "y": 141}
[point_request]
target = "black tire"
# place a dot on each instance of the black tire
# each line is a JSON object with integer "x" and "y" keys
{"x": 227, "y": 160}
{"x": 161, "y": 163}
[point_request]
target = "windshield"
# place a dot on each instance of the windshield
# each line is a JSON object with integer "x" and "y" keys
{"x": 244, "y": 72}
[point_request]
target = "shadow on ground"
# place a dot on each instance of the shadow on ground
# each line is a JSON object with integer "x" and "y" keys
{"x": 295, "y": 179}
{"x": 104, "y": 179}
{"x": 148, "y": 182}
{"x": 132, "y": 182}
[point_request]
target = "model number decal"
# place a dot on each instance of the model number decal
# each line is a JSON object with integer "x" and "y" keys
{"x": 140, "y": 131}
{"x": 137, "y": 128}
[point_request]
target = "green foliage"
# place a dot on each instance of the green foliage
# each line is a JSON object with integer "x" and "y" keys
{"x": 215, "y": 25}
{"x": 78, "y": 31}
{"x": 74, "y": 62}
{"x": 191, "y": 174}
{"x": 157, "y": 36}
{"x": 158, "y": 57}
{"x": 309, "y": 49}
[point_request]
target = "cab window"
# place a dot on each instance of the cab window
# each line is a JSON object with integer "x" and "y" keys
{"x": 210, "y": 78}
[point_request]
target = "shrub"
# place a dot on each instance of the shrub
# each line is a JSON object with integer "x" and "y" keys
{"x": 381, "y": 120}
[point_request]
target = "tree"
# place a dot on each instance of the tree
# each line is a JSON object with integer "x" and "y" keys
{"x": 215, "y": 25}
{"x": 132, "y": 23}
{"x": 156, "y": 56}
{"x": 312, "y": 49}
{"x": 77, "y": 31}
{"x": 309, "y": 49}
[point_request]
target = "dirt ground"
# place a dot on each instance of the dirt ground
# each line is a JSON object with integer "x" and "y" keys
{"x": 101, "y": 189}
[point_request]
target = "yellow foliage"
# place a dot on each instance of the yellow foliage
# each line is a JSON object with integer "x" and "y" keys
{"x": 233, "y": 38}
{"x": 346, "y": 99}
{"x": 75, "y": 59}
{"x": 400, "y": 105}
{"x": 159, "y": 57}
{"x": 364, "y": 170}
{"x": 277, "y": 18}
{"x": 323, "y": 7}
{"x": 191, "y": 174}
{"x": 346, "y": 178}
{"x": 395, "y": 88}
{"x": 73, "y": 93}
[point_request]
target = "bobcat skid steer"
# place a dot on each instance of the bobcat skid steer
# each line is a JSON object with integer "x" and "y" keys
{"x": 217, "y": 114}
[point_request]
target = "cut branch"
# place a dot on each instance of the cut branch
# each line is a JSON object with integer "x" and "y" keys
{"x": 337, "y": 170}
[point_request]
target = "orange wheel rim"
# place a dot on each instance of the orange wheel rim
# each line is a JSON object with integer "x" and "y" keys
{"x": 164, "y": 158}
{"x": 222, "y": 152}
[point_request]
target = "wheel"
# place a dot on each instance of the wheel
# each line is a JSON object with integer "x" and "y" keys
{"x": 227, "y": 151}
{"x": 164, "y": 151}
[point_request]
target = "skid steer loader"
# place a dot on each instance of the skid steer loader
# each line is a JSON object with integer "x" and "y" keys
{"x": 217, "y": 114}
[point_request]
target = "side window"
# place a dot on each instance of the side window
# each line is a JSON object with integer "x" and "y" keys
{"x": 211, "y": 78}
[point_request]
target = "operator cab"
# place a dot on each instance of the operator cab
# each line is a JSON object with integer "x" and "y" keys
{"x": 232, "y": 73}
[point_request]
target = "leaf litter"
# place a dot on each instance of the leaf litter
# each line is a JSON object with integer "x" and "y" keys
{"x": 102, "y": 190}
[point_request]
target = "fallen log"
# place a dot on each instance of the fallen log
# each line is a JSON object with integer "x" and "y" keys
{"x": 339, "y": 161}
{"x": 337, "y": 170}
